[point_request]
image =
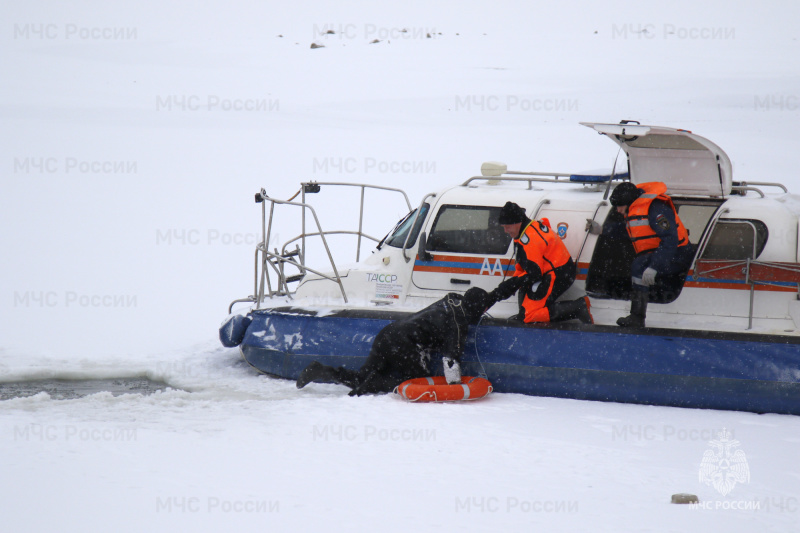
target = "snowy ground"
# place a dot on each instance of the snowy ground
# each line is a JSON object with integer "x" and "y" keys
{"x": 133, "y": 139}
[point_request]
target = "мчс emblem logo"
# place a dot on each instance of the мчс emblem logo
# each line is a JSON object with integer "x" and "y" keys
{"x": 561, "y": 229}
{"x": 723, "y": 466}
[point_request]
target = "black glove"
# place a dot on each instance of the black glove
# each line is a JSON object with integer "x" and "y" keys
{"x": 508, "y": 288}
{"x": 519, "y": 317}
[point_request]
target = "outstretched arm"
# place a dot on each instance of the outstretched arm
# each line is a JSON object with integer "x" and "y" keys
{"x": 525, "y": 272}
{"x": 507, "y": 288}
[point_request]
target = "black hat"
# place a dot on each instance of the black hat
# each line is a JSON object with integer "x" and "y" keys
{"x": 511, "y": 214}
{"x": 625, "y": 194}
{"x": 476, "y": 301}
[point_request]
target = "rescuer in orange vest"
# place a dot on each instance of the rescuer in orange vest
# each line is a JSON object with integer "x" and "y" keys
{"x": 659, "y": 238}
{"x": 543, "y": 271}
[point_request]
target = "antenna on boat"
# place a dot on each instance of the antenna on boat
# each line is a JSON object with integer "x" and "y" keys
{"x": 613, "y": 172}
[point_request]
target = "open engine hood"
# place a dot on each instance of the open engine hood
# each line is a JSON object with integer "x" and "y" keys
{"x": 687, "y": 163}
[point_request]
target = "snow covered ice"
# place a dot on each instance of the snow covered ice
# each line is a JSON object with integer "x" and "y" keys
{"x": 133, "y": 139}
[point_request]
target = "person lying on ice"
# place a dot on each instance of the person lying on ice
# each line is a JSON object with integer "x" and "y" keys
{"x": 402, "y": 350}
{"x": 543, "y": 272}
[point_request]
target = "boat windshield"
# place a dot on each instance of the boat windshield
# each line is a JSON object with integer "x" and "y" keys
{"x": 397, "y": 237}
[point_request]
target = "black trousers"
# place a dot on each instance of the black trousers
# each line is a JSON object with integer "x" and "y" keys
{"x": 392, "y": 360}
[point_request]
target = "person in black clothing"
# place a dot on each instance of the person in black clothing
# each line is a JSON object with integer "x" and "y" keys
{"x": 402, "y": 350}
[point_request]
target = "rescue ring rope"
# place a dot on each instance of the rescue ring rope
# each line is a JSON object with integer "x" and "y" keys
{"x": 483, "y": 370}
{"x": 436, "y": 389}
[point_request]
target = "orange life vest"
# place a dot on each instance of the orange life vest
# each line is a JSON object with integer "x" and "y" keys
{"x": 542, "y": 246}
{"x": 642, "y": 235}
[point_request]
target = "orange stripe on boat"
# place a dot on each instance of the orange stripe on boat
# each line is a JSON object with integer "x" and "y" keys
{"x": 736, "y": 286}
{"x": 470, "y": 259}
{"x": 446, "y": 270}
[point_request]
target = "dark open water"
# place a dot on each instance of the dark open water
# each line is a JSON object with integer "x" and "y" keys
{"x": 69, "y": 389}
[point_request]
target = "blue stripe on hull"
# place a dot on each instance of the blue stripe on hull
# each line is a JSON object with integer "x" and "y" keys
{"x": 659, "y": 367}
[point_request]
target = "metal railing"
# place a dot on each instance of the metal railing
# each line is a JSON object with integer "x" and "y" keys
{"x": 744, "y": 185}
{"x": 314, "y": 186}
{"x": 750, "y": 276}
{"x": 748, "y": 263}
{"x": 267, "y": 261}
{"x": 505, "y": 177}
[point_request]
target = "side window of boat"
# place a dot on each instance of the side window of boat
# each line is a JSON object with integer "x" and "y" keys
{"x": 397, "y": 236}
{"x": 695, "y": 218}
{"x": 736, "y": 240}
{"x": 468, "y": 229}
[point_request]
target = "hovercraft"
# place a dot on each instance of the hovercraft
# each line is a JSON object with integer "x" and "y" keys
{"x": 728, "y": 337}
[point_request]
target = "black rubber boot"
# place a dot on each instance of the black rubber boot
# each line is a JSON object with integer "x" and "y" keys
{"x": 638, "y": 311}
{"x": 573, "y": 309}
{"x": 585, "y": 310}
{"x": 317, "y": 372}
{"x": 366, "y": 386}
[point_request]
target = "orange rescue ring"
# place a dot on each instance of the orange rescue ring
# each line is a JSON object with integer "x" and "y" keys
{"x": 436, "y": 389}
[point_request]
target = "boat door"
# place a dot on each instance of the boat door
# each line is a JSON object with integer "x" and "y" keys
{"x": 687, "y": 163}
{"x": 464, "y": 248}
